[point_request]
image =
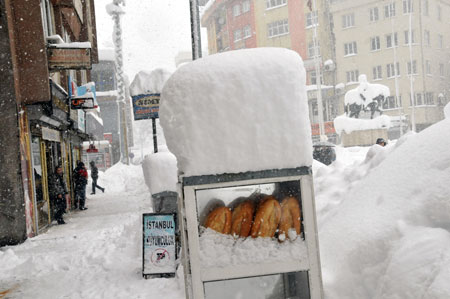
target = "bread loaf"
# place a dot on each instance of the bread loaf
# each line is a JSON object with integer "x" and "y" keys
{"x": 242, "y": 218}
{"x": 290, "y": 217}
{"x": 267, "y": 218}
{"x": 219, "y": 220}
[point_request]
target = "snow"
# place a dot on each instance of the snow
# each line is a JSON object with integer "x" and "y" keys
{"x": 149, "y": 82}
{"x": 219, "y": 250}
{"x": 161, "y": 172}
{"x": 328, "y": 62}
{"x": 342, "y": 123}
{"x": 368, "y": 90}
{"x": 238, "y": 111}
{"x": 382, "y": 212}
{"x": 110, "y": 93}
{"x": 74, "y": 45}
{"x": 383, "y": 222}
{"x": 447, "y": 110}
{"x": 113, "y": 9}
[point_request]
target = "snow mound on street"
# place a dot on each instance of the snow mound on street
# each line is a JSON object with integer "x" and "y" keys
{"x": 238, "y": 111}
{"x": 160, "y": 170}
{"x": 123, "y": 178}
{"x": 384, "y": 228}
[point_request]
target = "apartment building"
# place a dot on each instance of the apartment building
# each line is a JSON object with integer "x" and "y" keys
{"x": 403, "y": 44}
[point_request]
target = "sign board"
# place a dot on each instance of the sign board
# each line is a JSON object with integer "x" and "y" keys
{"x": 328, "y": 127}
{"x": 146, "y": 106}
{"x": 50, "y": 134}
{"x": 159, "y": 248}
{"x": 82, "y": 103}
{"x": 69, "y": 59}
{"x": 80, "y": 122}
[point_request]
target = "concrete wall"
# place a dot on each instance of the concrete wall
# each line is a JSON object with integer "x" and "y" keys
{"x": 12, "y": 211}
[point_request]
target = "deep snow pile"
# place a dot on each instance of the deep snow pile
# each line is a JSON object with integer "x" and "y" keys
{"x": 257, "y": 120}
{"x": 384, "y": 224}
{"x": 149, "y": 82}
{"x": 160, "y": 172}
{"x": 343, "y": 123}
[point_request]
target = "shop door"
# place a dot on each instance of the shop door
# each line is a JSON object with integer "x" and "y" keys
{"x": 40, "y": 183}
{"x": 53, "y": 158}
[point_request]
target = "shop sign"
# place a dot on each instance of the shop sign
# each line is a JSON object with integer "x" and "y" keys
{"x": 159, "y": 249}
{"x": 80, "y": 122}
{"x": 50, "y": 134}
{"x": 69, "y": 59}
{"x": 328, "y": 127}
{"x": 146, "y": 106}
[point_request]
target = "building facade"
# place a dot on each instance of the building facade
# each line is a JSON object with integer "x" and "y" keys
{"x": 40, "y": 129}
{"x": 403, "y": 44}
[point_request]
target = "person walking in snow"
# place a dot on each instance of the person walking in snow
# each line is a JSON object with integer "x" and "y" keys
{"x": 80, "y": 179}
{"x": 58, "y": 194}
{"x": 94, "y": 176}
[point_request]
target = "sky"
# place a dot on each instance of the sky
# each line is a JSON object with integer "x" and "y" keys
{"x": 154, "y": 32}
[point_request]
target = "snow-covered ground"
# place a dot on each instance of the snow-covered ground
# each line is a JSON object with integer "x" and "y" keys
{"x": 383, "y": 216}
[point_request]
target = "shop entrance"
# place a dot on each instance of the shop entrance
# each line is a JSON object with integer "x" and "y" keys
{"x": 42, "y": 208}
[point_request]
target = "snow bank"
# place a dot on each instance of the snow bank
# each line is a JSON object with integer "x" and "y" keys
{"x": 123, "y": 178}
{"x": 160, "y": 171}
{"x": 384, "y": 229}
{"x": 149, "y": 82}
{"x": 447, "y": 110}
{"x": 347, "y": 124}
{"x": 238, "y": 111}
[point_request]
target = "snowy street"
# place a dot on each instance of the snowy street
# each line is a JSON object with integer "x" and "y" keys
{"x": 97, "y": 254}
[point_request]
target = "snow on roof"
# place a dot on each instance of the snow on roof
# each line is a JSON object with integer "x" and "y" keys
{"x": 106, "y": 54}
{"x": 238, "y": 111}
{"x": 347, "y": 124}
{"x": 77, "y": 45}
{"x": 149, "y": 82}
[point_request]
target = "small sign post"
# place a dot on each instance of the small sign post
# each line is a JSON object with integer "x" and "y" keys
{"x": 159, "y": 245}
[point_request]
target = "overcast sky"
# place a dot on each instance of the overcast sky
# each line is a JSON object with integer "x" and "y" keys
{"x": 154, "y": 31}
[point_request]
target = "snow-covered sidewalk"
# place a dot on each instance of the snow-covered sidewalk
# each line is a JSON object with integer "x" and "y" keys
{"x": 97, "y": 254}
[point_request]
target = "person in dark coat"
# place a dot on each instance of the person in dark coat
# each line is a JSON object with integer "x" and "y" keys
{"x": 58, "y": 193}
{"x": 94, "y": 176}
{"x": 80, "y": 177}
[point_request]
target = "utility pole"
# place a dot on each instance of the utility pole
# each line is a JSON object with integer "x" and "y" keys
{"x": 315, "y": 18}
{"x": 115, "y": 11}
{"x": 411, "y": 87}
{"x": 195, "y": 30}
{"x": 397, "y": 100}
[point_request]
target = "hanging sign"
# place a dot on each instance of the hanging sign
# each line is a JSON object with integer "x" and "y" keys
{"x": 146, "y": 106}
{"x": 50, "y": 134}
{"x": 159, "y": 249}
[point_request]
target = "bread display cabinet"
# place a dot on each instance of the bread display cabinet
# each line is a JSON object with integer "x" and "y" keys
{"x": 250, "y": 235}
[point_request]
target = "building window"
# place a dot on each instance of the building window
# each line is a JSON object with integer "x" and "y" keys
{"x": 348, "y": 20}
{"x": 278, "y": 28}
{"x": 391, "y": 40}
{"x": 407, "y": 37}
{"x": 389, "y": 10}
{"x": 312, "y": 19}
{"x": 236, "y": 10}
{"x": 440, "y": 41}
{"x": 350, "y": 49}
{"x": 313, "y": 77}
{"x": 428, "y": 98}
{"x": 407, "y": 6}
{"x": 425, "y": 8}
{"x": 352, "y": 76}
{"x": 428, "y": 67}
{"x": 391, "y": 102}
{"x": 439, "y": 13}
{"x": 237, "y": 35}
{"x": 414, "y": 67}
{"x": 47, "y": 20}
{"x": 246, "y": 6}
{"x": 391, "y": 71}
{"x": 377, "y": 75}
{"x": 247, "y": 31}
{"x": 275, "y": 3}
{"x": 375, "y": 43}
{"x": 441, "y": 70}
{"x": 311, "y": 49}
{"x": 418, "y": 99}
{"x": 374, "y": 14}
{"x": 426, "y": 37}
